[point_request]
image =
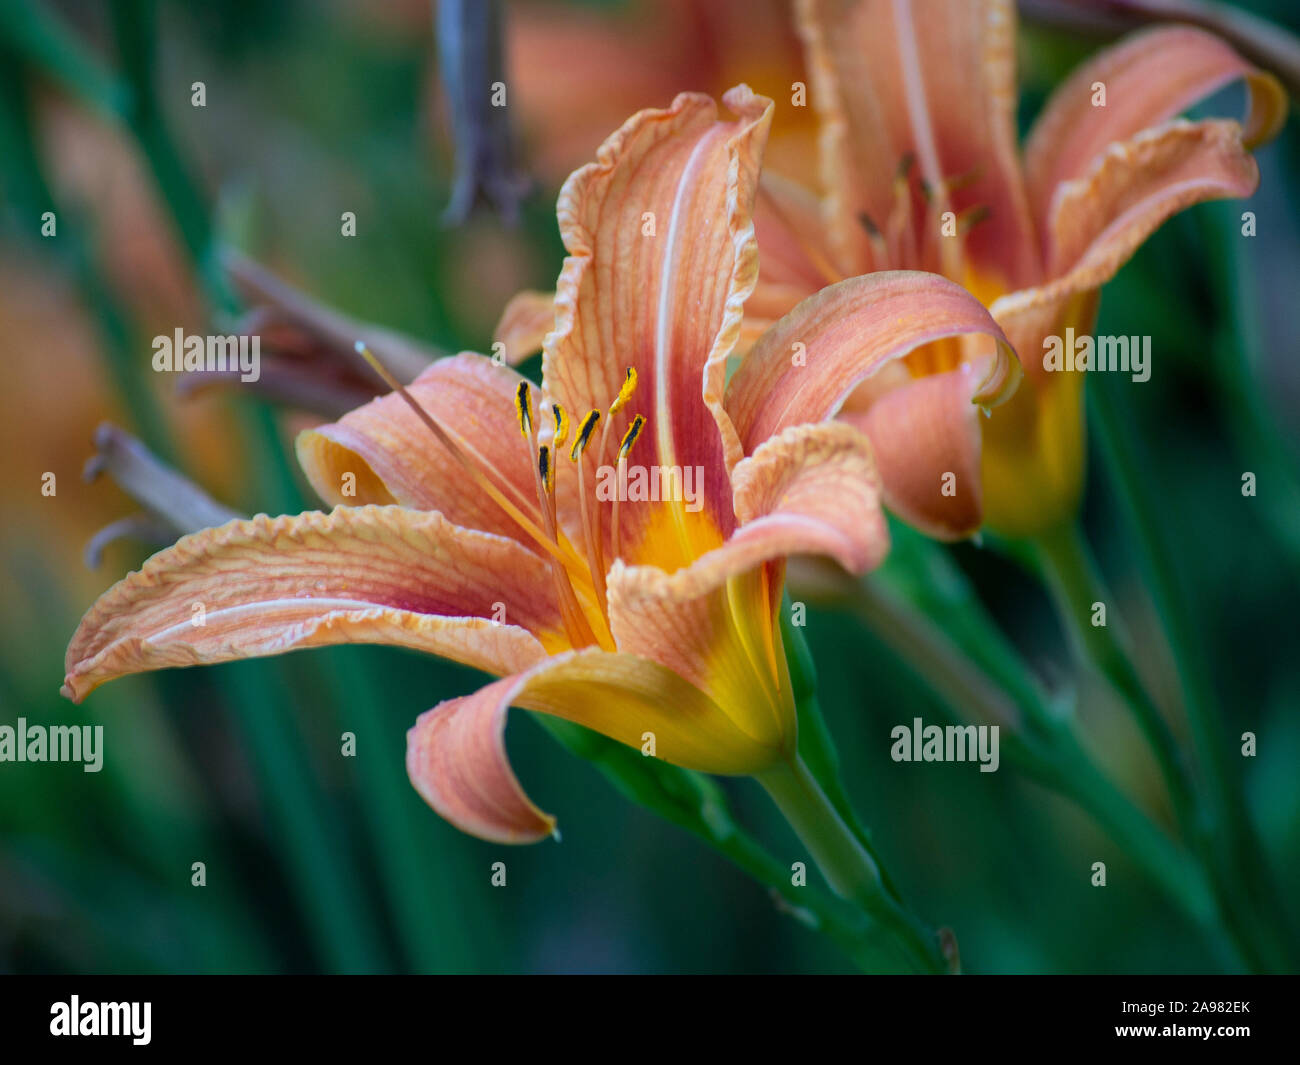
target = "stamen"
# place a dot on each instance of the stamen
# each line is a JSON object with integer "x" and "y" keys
{"x": 809, "y": 248}
{"x": 961, "y": 181}
{"x": 624, "y": 393}
{"x": 583, "y": 438}
{"x": 447, "y": 441}
{"x": 524, "y": 410}
{"x": 971, "y": 217}
{"x": 879, "y": 253}
{"x": 575, "y": 620}
{"x": 900, "y": 225}
{"x": 561, "y": 554}
{"x": 590, "y": 526}
{"x": 561, "y": 426}
{"x": 545, "y": 468}
{"x": 629, "y": 438}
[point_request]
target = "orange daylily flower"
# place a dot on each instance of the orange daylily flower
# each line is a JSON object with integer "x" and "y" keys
{"x": 576, "y": 70}
{"x": 921, "y": 170}
{"x": 479, "y": 530}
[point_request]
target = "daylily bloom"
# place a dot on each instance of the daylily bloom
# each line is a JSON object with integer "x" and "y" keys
{"x": 575, "y": 70}
{"x": 921, "y": 170}
{"x": 482, "y": 528}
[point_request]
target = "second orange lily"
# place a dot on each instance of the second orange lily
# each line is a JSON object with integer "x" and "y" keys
{"x": 920, "y": 169}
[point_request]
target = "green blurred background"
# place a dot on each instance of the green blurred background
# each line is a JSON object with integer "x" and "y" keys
{"x": 316, "y": 862}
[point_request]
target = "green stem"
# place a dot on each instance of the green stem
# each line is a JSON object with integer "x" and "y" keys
{"x": 1076, "y": 588}
{"x": 1241, "y": 378}
{"x": 135, "y": 32}
{"x": 952, "y": 675}
{"x": 40, "y": 37}
{"x": 1171, "y": 867}
{"x": 1047, "y": 750}
{"x": 1234, "y": 846}
{"x": 844, "y": 861}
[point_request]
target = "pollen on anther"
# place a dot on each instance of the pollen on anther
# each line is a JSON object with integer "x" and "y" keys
{"x": 524, "y": 410}
{"x": 868, "y": 224}
{"x": 561, "y": 426}
{"x": 629, "y": 438}
{"x": 545, "y": 468}
{"x": 583, "y": 438}
{"x": 624, "y": 393}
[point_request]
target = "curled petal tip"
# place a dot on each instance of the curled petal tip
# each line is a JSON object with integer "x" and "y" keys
{"x": 456, "y": 759}
{"x": 1002, "y": 377}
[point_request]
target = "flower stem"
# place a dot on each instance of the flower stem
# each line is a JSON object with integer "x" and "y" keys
{"x": 1215, "y": 832}
{"x": 1076, "y": 588}
{"x": 922, "y": 608}
{"x": 844, "y": 861}
{"x": 1039, "y": 741}
{"x": 1233, "y": 847}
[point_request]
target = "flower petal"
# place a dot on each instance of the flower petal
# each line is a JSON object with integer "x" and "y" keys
{"x": 793, "y": 248}
{"x": 926, "y": 438}
{"x": 527, "y": 319}
{"x": 803, "y": 367}
{"x": 661, "y": 258}
{"x": 1034, "y": 452}
{"x": 456, "y": 754}
{"x": 795, "y": 257}
{"x": 811, "y": 490}
{"x": 1098, "y": 221}
{"x": 393, "y": 456}
{"x": 368, "y": 575}
{"x": 456, "y": 759}
{"x": 932, "y": 81}
{"x": 1149, "y": 77}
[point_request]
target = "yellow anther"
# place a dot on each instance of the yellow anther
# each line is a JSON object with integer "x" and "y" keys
{"x": 583, "y": 438}
{"x": 561, "y": 426}
{"x": 545, "y": 468}
{"x": 629, "y": 438}
{"x": 624, "y": 393}
{"x": 524, "y": 410}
